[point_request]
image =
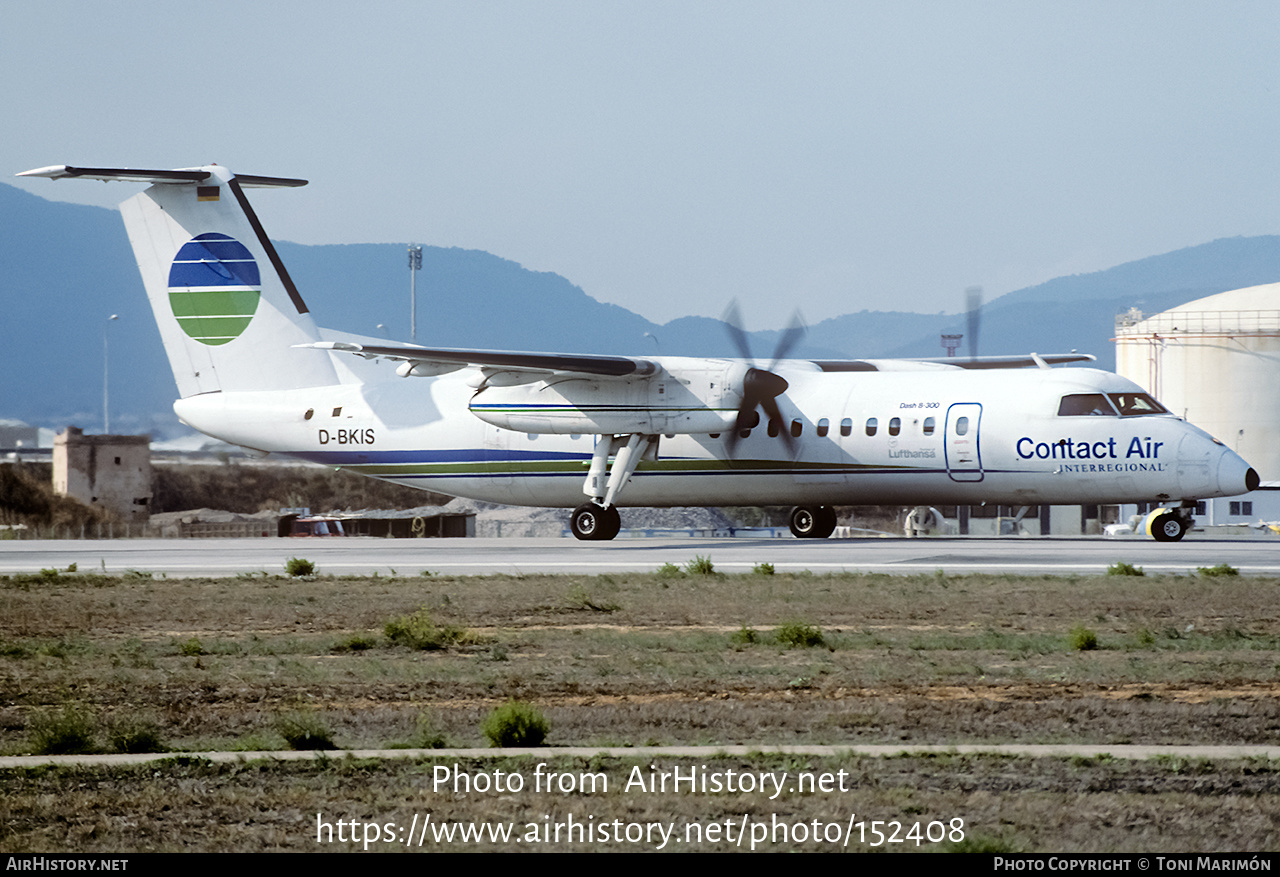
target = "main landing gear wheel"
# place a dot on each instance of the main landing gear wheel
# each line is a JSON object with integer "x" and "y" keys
{"x": 595, "y": 523}
{"x": 812, "y": 522}
{"x": 1166, "y": 526}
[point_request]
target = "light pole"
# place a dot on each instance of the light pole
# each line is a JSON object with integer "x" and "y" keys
{"x": 415, "y": 265}
{"x": 106, "y": 361}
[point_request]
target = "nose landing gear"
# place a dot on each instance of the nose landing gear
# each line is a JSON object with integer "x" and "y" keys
{"x": 1168, "y": 525}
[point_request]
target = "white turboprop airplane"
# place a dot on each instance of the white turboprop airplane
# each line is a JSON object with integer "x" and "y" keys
{"x": 545, "y": 429}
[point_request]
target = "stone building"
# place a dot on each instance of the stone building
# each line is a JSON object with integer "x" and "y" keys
{"x": 112, "y": 472}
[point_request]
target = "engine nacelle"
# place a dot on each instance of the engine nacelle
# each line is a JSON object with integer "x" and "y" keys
{"x": 690, "y": 400}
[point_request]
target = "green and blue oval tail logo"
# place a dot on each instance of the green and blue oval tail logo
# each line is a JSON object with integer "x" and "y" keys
{"x": 214, "y": 287}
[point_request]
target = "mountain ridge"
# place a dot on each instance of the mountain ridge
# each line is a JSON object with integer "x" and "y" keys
{"x": 68, "y": 268}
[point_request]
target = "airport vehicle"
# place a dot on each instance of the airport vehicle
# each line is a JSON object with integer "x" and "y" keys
{"x": 548, "y": 429}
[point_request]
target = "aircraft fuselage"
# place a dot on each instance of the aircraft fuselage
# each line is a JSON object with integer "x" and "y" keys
{"x": 917, "y": 436}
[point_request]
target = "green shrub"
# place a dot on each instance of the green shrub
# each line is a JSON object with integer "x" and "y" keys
{"x": 418, "y": 631}
{"x": 1082, "y": 639}
{"x": 980, "y": 843}
{"x": 70, "y": 731}
{"x": 762, "y": 569}
{"x": 135, "y": 734}
{"x": 668, "y": 571}
{"x": 745, "y": 636}
{"x": 297, "y": 567}
{"x": 797, "y": 634}
{"x": 1221, "y": 569}
{"x": 357, "y": 642}
{"x": 192, "y": 648}
{"x": 427, "y": 736}
{"x": 1120, "y": 568}
{"x": 515, "y": 723}
{"x": 580, "y": 598}
{"x": 305, "y": 730}
{"x": 700, "y": 566}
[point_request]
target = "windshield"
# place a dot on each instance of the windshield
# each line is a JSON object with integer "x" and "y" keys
{"x": 1085, "y": 405}
{"x": 1134, "y": 404}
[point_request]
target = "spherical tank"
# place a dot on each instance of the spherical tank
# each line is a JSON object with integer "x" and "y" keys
{"x": 1215, "y": 362}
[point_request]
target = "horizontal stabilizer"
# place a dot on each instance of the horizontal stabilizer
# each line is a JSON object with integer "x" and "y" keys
{"x": 181, "y": 176}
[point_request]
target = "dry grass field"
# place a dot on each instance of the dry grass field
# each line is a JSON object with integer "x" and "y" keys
{"x": 675, "y": 657}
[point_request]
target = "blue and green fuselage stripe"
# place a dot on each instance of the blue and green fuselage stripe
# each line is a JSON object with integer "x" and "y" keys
{"x": 426, "y": 464}
{"x": 552, "y": 408}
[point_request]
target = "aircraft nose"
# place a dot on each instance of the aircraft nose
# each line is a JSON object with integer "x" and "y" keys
{"x": 1235, "y": 476}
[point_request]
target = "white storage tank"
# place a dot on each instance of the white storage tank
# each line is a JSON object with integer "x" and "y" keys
{"x": 1216, "y": 362}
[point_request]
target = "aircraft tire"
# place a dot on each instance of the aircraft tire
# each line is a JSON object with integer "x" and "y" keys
{"x": 812, "y": 522}
{"x": 593, "y": 523}
{"x": 1168, "y": 527}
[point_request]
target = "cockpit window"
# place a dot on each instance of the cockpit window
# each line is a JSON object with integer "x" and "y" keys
{"x": 1134, "y": 404}
{"x": 1085, "y": 405}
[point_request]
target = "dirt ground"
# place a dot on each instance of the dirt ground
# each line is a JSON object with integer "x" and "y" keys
{"x": 659, "y": 659}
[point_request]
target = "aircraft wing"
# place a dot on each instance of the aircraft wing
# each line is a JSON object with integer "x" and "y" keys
{"x": 449, "y": 358}
{"x": 977, "y": 362}
{"x": 437, "y": 360}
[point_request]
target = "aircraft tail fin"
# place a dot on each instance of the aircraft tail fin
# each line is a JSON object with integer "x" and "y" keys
{"x": 228, "y": 312}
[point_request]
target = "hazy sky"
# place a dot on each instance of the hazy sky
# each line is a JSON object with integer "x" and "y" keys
{"x": 669, "y": 157}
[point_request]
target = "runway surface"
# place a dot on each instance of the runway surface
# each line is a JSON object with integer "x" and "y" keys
{"x": 364, "y": 556}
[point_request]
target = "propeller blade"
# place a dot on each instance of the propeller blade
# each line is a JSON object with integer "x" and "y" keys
{"x": 771, "y": 410}
{"x": 788, "y": 339}
{"x": 747, "y": 419}
{"x": 733, "y": 325}
{"x": 760, "y": 387}
{"x": 973, "y": 301}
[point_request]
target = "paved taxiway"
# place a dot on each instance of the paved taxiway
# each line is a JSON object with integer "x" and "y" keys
{"x": 364, "y": 556}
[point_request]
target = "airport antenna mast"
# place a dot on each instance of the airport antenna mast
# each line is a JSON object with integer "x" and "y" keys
{"x": 106, "y": 371}
{"x": 415, "y": 265}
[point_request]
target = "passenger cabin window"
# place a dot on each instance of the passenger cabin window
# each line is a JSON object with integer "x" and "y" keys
{"x": 774, "y": 428}
{"x": 846, "y": 426}
{"x": 1135, "y": 404}
{"x": 928, "y": 426}
{"x": 823, "y": 426}
{"x": 1085, "y": 405}
{"x": 872, "y": 423}
{"x": 796, "y": 428}
{"x": 895, "y": 426}
{"x": 962, "y": 426}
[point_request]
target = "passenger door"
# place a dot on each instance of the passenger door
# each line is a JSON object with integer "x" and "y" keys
{"x": 962, "y": 448}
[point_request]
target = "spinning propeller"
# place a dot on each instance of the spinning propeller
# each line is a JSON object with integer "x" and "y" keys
{"x": 973, "y": 303}
{"x": 760, "y": 387}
